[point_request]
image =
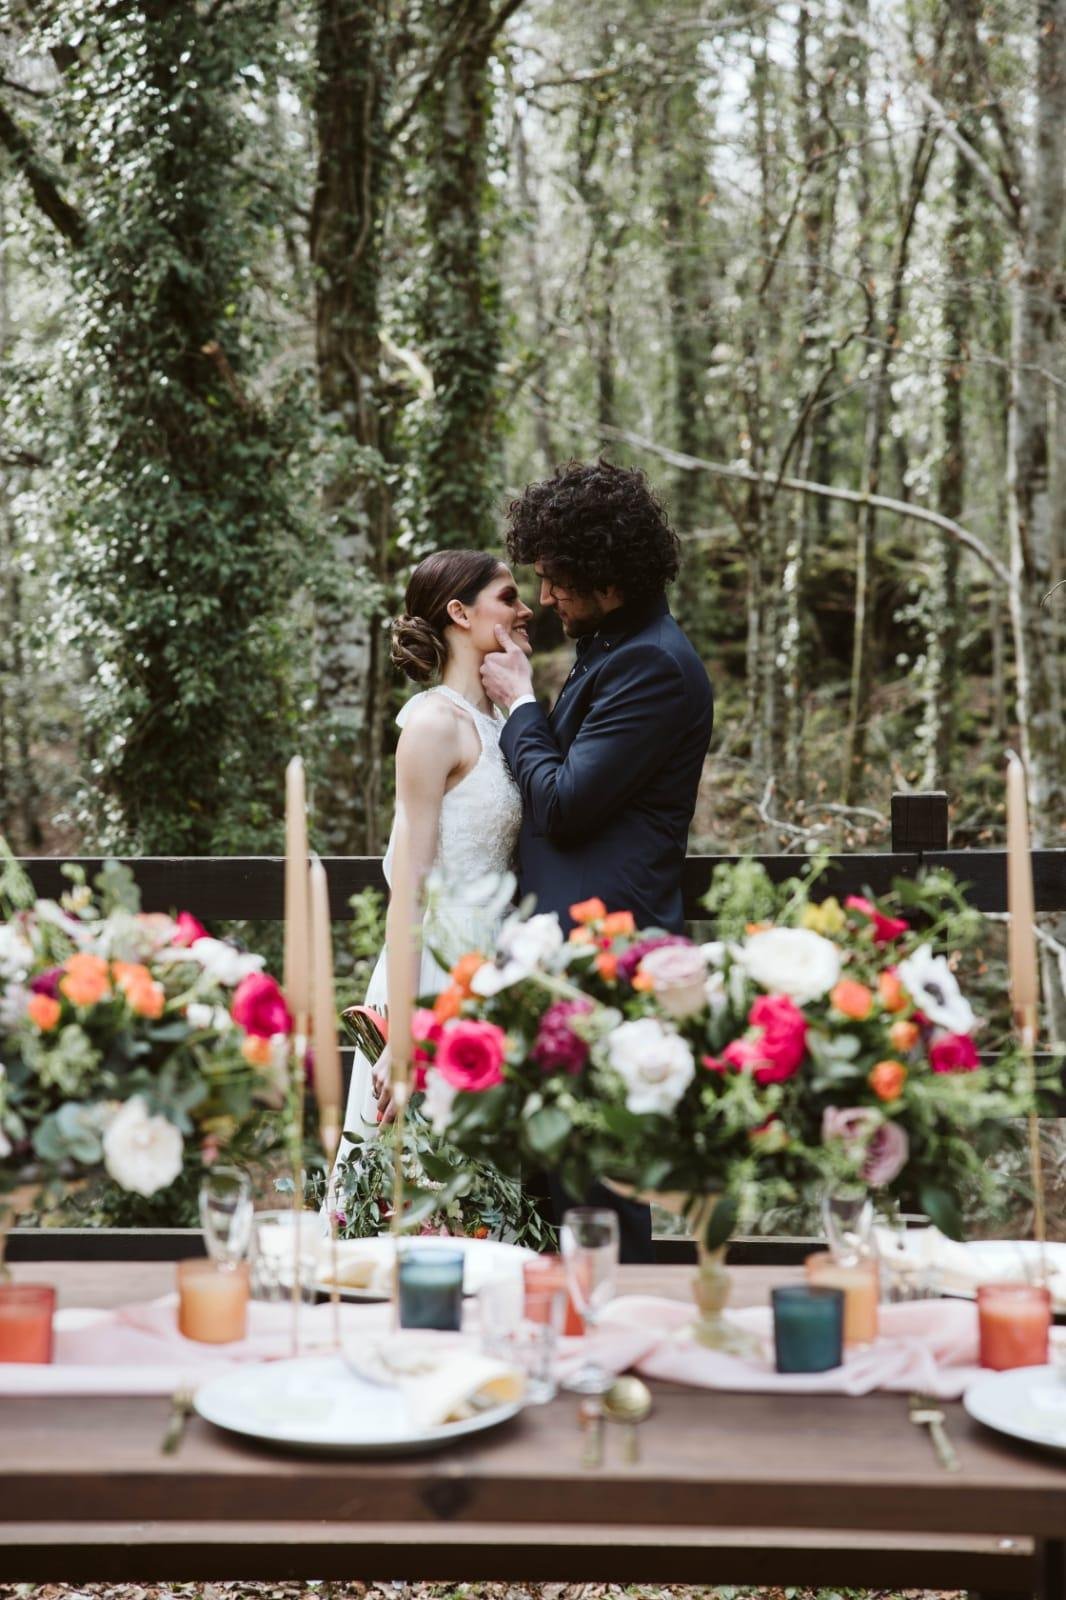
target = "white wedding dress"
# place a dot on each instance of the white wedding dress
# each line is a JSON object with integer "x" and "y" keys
{"x": 479, "y": 822}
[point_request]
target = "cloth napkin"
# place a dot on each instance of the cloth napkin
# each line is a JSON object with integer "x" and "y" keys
{"x": 929, "y": 1346}
{"x": 441, "y": 1375}
{"x": 959, "y": 1268}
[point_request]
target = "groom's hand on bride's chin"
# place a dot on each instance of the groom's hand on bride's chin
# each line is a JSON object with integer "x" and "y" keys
{"x": 506, "y": 673}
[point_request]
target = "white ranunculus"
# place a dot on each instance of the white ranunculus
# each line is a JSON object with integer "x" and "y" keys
{"x": 221, "y": 962}
{"x": 199, "y": 1015}
{"x": 523, "y": 947}
{"x": 440, "y": 1096}
{"x": 654, "y": 1063}
{"x": 142, "y": 1153}
{"x": 792, "y": 961}
{"x": 931, "y": 984}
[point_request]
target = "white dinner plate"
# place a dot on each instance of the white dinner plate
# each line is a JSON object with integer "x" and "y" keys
{"x": 961, "y": 1267}
{"x": 483, "y": 1259}
{"x": 1027, "y": 1403}
{"x": 317, "y": 1405}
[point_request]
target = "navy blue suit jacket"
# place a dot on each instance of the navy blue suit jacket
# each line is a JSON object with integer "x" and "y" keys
{"x": 609, "y": 778}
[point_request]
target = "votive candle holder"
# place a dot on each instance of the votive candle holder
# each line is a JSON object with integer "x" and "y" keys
{"x": 860, "y": 1282}
{"x": 543, "y": 1276}
{"x": 808, "y": 1327}
{"x": 431, "y": 1289}
{"x": 213, "y": 1300}
{"x": 1014, "y": 1325}
{"x": 26, "y": 1312}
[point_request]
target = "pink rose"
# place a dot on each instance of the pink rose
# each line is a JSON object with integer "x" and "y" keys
{"x": 745, "y": 1055}
{"x": 885, "y": 928}
{"x": 187, "y": 930}
{"x": 886, "y": 1154}
{"x": 853, "y": 1125}
{"x": 678, "y": 976}
{"x": 259, "y": 1006}
{"x": 470, "y": 1055}
{"x": 784, "y": 1036}
{"x": 881, "y": 1145}
{"x": 954, "y": 1052}
{"x": 425, "y": 1029}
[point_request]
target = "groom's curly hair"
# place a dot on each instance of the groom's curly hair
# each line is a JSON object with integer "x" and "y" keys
{"x": 595, "y": 526}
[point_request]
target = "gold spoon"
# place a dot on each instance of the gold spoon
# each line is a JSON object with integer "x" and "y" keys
{"x": 628, "y": 1400}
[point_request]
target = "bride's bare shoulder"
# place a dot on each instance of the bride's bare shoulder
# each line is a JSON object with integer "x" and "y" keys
{"x": 431, "y": 720}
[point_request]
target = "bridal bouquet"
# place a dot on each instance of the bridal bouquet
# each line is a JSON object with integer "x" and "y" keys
{"x": 134, "y": 1049}
{"x": 808, "y": 1043}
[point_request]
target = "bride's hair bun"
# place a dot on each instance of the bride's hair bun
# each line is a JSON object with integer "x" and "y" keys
{"x": 418, "y": 644}
{"x": 417, "y": 649}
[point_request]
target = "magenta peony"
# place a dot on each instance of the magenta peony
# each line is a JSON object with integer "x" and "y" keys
{"x": 954, "y": 1052}
{"x": 470, "y": 1055}
{"x": 259, "y": 1006}
{"x": 557, "y": 1047}
{"x": 784, "y": 1037}
{"x": 187, "y": 930}
{"x": 47, "y": 983}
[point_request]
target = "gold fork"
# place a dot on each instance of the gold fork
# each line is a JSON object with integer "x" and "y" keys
{"x": 181, "y": 1407}
{"x": 925, "y": 1414}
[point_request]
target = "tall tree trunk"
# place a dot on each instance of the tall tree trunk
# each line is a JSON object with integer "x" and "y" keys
{"x": 351, "y": 184}
{"x": 461, "y": 309}
{"x": 1036, "y": 298}
{"x": 535, "y": 283}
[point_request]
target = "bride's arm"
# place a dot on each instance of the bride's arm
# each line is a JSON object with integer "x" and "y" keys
{"x": 427, "y": 753}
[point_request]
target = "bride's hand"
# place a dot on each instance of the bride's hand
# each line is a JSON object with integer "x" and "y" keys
{"x": 380, "y": 1075}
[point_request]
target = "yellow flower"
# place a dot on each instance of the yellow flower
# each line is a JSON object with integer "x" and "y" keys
{"x": 826, "y": 917}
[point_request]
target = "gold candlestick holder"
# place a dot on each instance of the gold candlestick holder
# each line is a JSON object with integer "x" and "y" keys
{"x": 297, "y": 1089}
{"x": 329, "y": 1130}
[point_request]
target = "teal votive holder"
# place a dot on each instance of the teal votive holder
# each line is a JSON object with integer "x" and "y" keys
{"x": 431, "y": 1289}
{"x": 808, "y": 1328}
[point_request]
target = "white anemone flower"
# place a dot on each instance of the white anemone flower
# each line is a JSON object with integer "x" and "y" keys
{"x": 654, "y": 1063}
{"x": 523, "y": 946}
{"x": 792, "y": 961}
{"x": 931, "y": 984}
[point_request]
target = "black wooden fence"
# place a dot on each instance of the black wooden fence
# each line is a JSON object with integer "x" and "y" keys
{"x": 251, "y": 888}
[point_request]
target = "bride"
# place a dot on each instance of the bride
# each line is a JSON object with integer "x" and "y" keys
{"x": 462, "y": 805}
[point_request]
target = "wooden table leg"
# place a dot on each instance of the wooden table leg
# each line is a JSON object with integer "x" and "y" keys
{"x": 1051, "y": 1569}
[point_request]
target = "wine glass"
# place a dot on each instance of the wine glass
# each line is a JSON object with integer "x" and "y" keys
{"x": 848, "y": 1219}
{"x": 226, "y": 1213}
{"x": 589, "y": 1244}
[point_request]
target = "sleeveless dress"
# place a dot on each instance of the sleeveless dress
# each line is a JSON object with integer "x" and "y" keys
{"x": 479, "y": 822}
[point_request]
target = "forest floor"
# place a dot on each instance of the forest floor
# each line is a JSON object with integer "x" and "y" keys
{"x": 441, "y": 1591}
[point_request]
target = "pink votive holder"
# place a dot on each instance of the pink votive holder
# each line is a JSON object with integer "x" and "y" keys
{"x": 26, "y": 1311}
{"x": 213, "y": 1300}
{"x": 1014, "y": 1324}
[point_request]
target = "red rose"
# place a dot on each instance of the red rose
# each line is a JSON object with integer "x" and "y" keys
{"x": 259, "y": 1006}
{"x": 187, "y": 930}
{"x": 784, "y": 1037}
{"x": 470, "y": 1055}
{"x": 885, "y": 928}
{"x": 954, "y": 1052}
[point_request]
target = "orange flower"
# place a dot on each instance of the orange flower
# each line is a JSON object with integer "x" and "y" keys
{"x": 618, "y": 922}
{"x": 581, "y": 936}
{"x": 588, "y": 910}
{"x": 146, "y": 999}
{"x": 130, "y": 975}
{"x": 447, "y": 1004}
{"x": 756, "y": 927}
{"x": 891, "y": 991}
{"x": 887, "y": 1079}
{"x": 607, "y": 966}
{"x": 464, "y": 970}
{"x": 853, "y": 999}
{"x": 256, "y": 1051}
{"x": 903, "y": 1036}
{"x": 43, "y": 1011}
{"x": 643, "y": 982}
{"x": 85, "y": 982}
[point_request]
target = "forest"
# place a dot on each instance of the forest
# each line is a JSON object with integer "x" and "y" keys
{"x": 295, "y": 291}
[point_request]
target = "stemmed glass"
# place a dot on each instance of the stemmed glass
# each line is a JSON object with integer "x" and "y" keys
{"x": 589, "y": 1244}
{"x": 226, "y": 1213}
{"x": 848, "y": 1219}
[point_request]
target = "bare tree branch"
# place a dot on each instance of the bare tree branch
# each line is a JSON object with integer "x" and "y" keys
{"x": 466, "y": 31}
{"x": 43, "y": 182}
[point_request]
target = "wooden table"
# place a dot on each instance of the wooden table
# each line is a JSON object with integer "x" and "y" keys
{"x": 731, "y": 1488}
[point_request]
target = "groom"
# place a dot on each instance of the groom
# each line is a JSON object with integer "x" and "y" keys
{"x": 609, "y": 776}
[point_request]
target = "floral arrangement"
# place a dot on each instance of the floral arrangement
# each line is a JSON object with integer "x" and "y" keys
{"x": 810, "y": 1042}
{"x": 134, "y": 1049}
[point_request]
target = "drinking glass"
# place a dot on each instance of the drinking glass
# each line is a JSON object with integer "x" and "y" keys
{"x": 275, "y": 1257}
{"x": 523, "y": 1329}
{"x": 226, "y": 1213}
{"x": 589, "y": 1243}
{"x": 848, "y": 1219}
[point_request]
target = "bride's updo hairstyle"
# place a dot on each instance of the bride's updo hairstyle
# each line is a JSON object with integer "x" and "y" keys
{"x": 418, "y": 645}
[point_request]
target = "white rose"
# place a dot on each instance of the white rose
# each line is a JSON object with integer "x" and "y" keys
{"x": 931, "y": 984}
{"x": 792, "y": 961}
{"x": 440, "y": 1096}
{"x": 655, "y": 1064}
{"x": 220, "y": 961}
{"x": 143, "y": 1154}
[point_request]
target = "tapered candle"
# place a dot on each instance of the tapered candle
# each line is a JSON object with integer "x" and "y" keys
{"x": 297, "y": 895}
{"x": 1021, "y": 945}
{"x": 401, "y": 953}
{"x": 324, "y": 1013}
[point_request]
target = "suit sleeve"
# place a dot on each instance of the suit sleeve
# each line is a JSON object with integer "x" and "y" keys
{"x": 630, "y": 729}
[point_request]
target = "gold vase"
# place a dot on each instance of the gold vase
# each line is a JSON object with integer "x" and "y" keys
{"x": 711, "y": 1284}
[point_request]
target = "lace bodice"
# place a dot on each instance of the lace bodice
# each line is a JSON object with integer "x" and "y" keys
{"x": 480, "y": 817}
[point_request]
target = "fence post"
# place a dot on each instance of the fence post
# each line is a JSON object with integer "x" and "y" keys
{"x": 919, "y": 822}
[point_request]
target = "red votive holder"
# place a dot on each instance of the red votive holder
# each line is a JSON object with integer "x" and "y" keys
{"x": 1014, "y": 1322}
{"x": 540, "y": 1276}
{"x": 26, "y": 1311}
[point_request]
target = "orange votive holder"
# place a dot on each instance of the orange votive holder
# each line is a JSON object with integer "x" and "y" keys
{"x": 860, "y": 1281}
{"x": 1014, "y": 1325}
{"x": 547, "y": 1273}
{"x": 26, "y": 1311}
{"x": 213, "y": 1300}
